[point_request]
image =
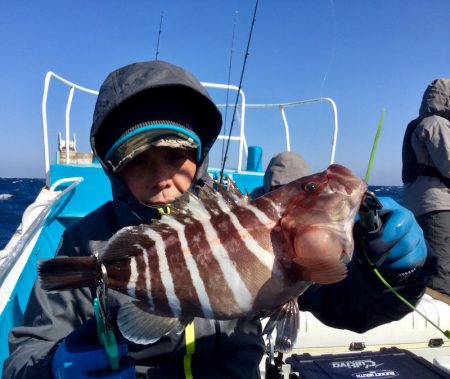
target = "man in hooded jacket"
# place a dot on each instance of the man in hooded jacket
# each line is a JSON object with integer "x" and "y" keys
{"x": 426, "y": 174}
{"x": 57, "y": 338}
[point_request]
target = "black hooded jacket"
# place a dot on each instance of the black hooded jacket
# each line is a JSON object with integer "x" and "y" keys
{"x": 223, "y": 349}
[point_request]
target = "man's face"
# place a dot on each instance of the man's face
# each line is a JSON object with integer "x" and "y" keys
{"x": 160, "y": 175}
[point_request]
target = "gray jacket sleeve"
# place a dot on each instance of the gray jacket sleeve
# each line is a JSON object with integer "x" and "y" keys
{"x": 228, "y": 348}
{"x": 435, "y": 134}
{"x": 51, "y": 316}
{"x": 431, "y": 144}
{"x": 48, "y": 318}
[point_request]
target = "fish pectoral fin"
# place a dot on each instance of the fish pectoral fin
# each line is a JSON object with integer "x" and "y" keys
{"x": 139, "y": 326}
{"x": 286, "y": 321}
{"x": 326, "y": 273}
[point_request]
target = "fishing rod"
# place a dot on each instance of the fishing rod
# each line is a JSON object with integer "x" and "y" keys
{"x": 159, "y": 36}
{"x": 371, "y": 222}
{"x": 238, "y": 92}
{"x": 228, "y": 83}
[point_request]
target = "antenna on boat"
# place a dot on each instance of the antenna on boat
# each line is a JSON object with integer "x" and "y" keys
{"x": 228, "y": 83}
{"x": 159, "y": 36}
{"x": 237, "y": 95}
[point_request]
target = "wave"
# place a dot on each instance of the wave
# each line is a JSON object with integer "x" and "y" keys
{"x": 5, "y": 196}
{"x": 395, "y": 192}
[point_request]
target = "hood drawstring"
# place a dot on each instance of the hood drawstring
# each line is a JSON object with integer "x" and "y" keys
{"x": 164, "y": 210}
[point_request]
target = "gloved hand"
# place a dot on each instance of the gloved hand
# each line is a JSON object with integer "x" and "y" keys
{"x": 79, "y": 356}
{"x": 398, "y": 248}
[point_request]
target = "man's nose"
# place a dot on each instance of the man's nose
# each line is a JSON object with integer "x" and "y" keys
{"x": 161, "y": 179}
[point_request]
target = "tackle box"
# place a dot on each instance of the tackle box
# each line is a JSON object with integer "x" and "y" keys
{"x": 386, "y": 363}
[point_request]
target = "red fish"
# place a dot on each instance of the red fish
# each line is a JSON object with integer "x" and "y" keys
{"x": 221, "y": 256}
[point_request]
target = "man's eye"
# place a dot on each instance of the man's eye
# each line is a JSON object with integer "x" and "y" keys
{"x": 179, "y": 156}
{"x": 137, "y": 162}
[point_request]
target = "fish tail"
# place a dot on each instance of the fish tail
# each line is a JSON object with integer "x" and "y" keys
{"x": 65, "y": 273}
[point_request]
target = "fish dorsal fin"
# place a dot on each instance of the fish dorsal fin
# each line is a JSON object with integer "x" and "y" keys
{"x": 286, "y": 320}
{"x": 139, "y": 326}
{"x": 188, "y": 205}
{"x": 129, "y": 241}
{"x": 234, "y": 190}
{"x": 203, "y": 199}
{"x": 229, "y": 198}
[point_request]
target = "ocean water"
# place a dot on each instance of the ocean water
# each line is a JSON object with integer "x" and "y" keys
{"x": 17, "y": 194}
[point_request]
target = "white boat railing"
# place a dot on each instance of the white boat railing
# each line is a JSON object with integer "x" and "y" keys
{"x": 283, "y": 106}
{"x": 11, "y": 253}
{"x": 241, "y": 137}
{"x": 72, "y": 87}
{"x": 243, "y": 148}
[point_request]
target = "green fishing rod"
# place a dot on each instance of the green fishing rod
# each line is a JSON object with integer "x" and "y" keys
{"x": 373, "y": 223}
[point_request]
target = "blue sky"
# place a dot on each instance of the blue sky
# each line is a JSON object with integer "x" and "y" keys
{"x": 366, "y": 55}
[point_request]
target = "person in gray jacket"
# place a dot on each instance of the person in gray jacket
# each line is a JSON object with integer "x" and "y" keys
{"x": 282, "y": 169}
{"x": 426, "y": 174}
{"x": 155, "y": 105}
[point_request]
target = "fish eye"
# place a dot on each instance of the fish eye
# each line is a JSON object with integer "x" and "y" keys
{"x": 310, "y": 186}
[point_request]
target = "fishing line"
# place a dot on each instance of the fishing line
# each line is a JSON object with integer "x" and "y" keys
{"x": 237, "y": 95}
{"x": 320, "y": 129}
{"x": 228, "y": 83}
{"x": 400, "y": 297}
{"x": 159, "y": 36}
{"x": 375, "y": 270}
{"x": 333, "y": 49}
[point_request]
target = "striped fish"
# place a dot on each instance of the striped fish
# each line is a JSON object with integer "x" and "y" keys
{"x": 222, "y": 256}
